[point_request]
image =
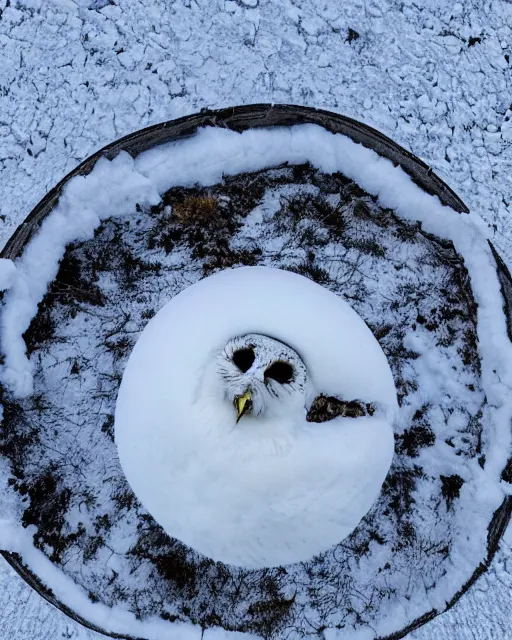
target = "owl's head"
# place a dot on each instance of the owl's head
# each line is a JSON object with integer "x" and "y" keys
{"x": 262, "y": 377}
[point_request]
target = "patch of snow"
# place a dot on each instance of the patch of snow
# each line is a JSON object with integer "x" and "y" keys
{"x": 66, "y": 590}
{"x": 9, "y": 506}
{"x": 7, "y": 274}
{"x": 113, "y": 188}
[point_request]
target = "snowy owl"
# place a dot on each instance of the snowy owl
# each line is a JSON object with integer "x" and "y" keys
{"x": 263, "y": 377}
{"x": 211, "y": 427}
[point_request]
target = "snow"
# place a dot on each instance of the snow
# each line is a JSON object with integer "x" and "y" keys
{"x": 279, "y": 223}
{"x": 7, "y": 274}
{"x": 274, "y": 490}
{"x": 403, "y": 52}
{"x": 228, "y": 152}
{"x": 9, "y": 533}
{"x": 112, "y": 189}
{"x": 204, "y": 159}
{"x": 67, "y": 590}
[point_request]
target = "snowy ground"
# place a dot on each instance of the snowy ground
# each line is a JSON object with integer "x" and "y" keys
{"x": 76, "y": 75}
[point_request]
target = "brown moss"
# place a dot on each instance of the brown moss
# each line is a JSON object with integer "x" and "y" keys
{"x": 48, "y": 505}
{"x": 325, "y": 408}
{"x": 196, "y": 210}
{"x": 506, "y": 474}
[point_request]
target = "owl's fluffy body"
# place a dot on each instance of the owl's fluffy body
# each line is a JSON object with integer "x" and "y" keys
{"x": 272, "y": 489}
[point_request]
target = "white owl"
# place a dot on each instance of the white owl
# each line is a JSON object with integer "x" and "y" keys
{"x": 211, "y": 425}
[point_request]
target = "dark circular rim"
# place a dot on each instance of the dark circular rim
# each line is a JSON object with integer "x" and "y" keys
{"x": 241, "y": 118}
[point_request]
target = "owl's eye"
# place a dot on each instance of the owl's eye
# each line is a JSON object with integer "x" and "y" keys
{"x": 243, "y": 358}
{"x": 280, "y": 371}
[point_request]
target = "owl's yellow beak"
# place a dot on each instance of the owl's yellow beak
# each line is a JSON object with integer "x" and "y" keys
{"x": 243, "y": 404}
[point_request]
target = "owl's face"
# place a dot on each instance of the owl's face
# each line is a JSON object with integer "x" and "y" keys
{"x": 262, "y": 377}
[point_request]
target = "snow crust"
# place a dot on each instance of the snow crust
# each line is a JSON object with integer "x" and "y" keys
{"x": 230, "y": 153}
{"x": 273, "y": 490}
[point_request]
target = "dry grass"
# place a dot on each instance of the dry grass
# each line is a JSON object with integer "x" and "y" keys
{"x": 196, "y": 210}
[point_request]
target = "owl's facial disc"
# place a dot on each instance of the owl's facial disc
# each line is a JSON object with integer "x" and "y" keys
{"x": 261, "y": 376}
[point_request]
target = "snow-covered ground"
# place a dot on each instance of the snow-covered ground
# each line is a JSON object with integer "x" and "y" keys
{"x": 75, "y": 75}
